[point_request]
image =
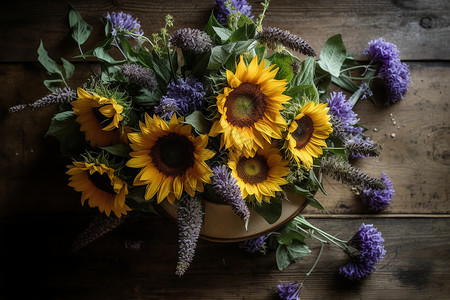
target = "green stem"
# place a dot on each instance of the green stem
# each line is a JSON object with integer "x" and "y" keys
{"x": 140, "y": 36}
{"x": 84, "y": 58}
{"x": 118, "y": 47}
{"x": 317, "y": 260}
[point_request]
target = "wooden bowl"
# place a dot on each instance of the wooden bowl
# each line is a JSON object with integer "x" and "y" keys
{"x": 221, "y": 224}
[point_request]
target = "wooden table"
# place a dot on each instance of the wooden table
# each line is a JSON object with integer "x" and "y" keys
{"x": 40, "y": 215}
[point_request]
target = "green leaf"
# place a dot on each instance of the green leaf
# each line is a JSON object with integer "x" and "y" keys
{"x": 286, "y": 254}
{"x": 69, "y": 68}
{"x": 282, "y": 257}
{"x": 198, "y": 121}
{"x": 118, "y": 150}
{"x": 53, "y": 84}
{"x": 49, "y": 64}
{"x": 102, "y": 55}
{"x": 333, "y": 55}
{"x": 313, "y": 178}
{"x": 223, "y": 33}
{"x": 271, "y": 212}
{"x": 283, "y": 62}
{"x": 289, "y": 233}
{"x": 80, "y": 29}
{"x": 315, "y": 203}
{"x": 345, "y": 83}
{"x": 306, "y": 74}
{"x": 209, "y": 29}
{"x": 243, "y": 33}
{"x": 147, "y": 99}
{"x": 220, "y": 55}
{"x": 302, "y": 94}
{"x": 65, "y": 129}
{"x": 322, "y": 80}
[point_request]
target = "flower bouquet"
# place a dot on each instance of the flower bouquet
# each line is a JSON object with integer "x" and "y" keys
{"x": 228, "y": 129}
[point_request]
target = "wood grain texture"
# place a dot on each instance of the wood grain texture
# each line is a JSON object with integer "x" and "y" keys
{"x": 40, "y": 215}
{"x": 36, "y": 263}
{"x": 421, "y": 29}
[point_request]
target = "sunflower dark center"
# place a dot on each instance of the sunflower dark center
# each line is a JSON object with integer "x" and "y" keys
{"x": 253, "y": 170}
{"x": 245, "y": 105}
{"x": 304, "y": 131}
{"x": 102, "y": 182}
{"x": 173, "y": 154}
{"x": 101, "y": 118}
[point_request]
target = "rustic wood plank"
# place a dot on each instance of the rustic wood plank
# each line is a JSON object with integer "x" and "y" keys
{"x": 416, "y": 160}
{"x": 419, "y": 28}
{"x": 36, "y": 262}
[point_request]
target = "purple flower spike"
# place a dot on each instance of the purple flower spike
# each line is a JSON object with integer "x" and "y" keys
{"x": 369, "y": 247}
{"x": 378, "y": 199}
{"x": 255, "y": 245}
{"x": 183, "y": 97}
{"x": 190, "y": 220}
{"x": 225, "y": 186}
{"x": 289, "y": 291}
{"x": 122, "y": 21}
{"x": 221, "y": 12}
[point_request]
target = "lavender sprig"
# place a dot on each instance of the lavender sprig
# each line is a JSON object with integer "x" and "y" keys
{"x": 190, "y": 220}
{"x": 59, "y": 96}
{"x": 336, "y": 167}
{"x": 362, "y": 147}
{"x": 143, "y": 77}
{"x": 289, "y": 291}
{"x": 273, "y": 36}
{"x": 225, "y": 186}
{"x": 99, "y": 226}
{"x": 255, "y": 245}
{"x": 192, "y": 40}
{"x": 378, "y": 199}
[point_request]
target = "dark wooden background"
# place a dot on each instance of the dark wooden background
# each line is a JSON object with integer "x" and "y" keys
{"x": 40, "y": 215}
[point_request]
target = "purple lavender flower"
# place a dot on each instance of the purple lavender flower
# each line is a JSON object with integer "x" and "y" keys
{"x": 59, "y": 96}
{"x": 360, "y": 146}
{"x": 143, "y": 77}
{"x": 167, "y": 107}
{"x": 378, "y": 199}
{"x": 221, "y": 11}
{"x": 182, "y": 97}
{"x": 225, "y": 186}
{"x": 381, "y": 51}
{"x": 274, "y": 36}
{"x": 190, "y": 220}
{"x": 17, "y": 108}
{"x": 365, "y": 90}
{"x": 395, "y": 76}
{"x": 191, "y": 39}
{"x": 393, "y": 72}
{"x": 122, "y": 21}
{"x": 289, "y": 291}
{"x": 369, "y": 250}
{"x": 336, "y": 167}
{"x": 341, "y": 111}
{"x": 254, "y": 245}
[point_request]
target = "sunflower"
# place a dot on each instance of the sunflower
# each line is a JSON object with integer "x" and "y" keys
{"x": 171, "y": 158}
{"x": 307, "y": 133}
{"x": 260, "y": 174}
{"x": 100, "y": 185}
{"x": 250, "y": 107}
{"x": 100, "y": 118}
